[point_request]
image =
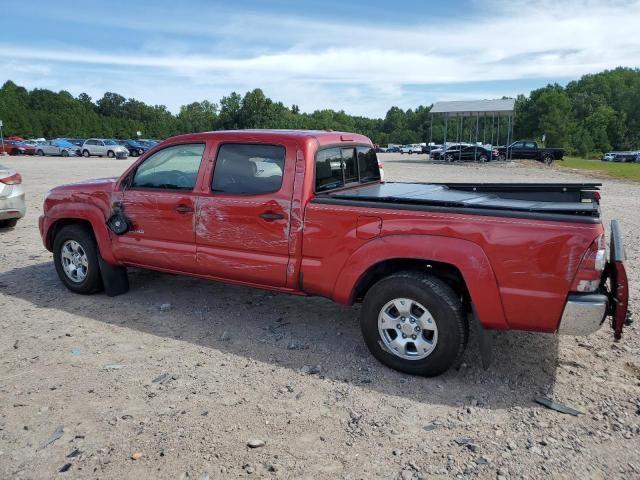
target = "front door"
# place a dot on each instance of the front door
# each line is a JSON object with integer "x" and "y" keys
{"x": 159, "y": 201}
{"x": 242, "y": 224}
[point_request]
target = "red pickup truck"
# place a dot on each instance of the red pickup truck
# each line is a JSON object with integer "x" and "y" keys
{"x": 307, "y": 213}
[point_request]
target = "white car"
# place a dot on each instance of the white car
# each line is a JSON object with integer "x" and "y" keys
{"x": 103, "y": 147}
{"x": 608, "y": 157}
{"x": 12, "y": 203}
{"x": 413, "y": 148}
{"x": 266, "y": 168}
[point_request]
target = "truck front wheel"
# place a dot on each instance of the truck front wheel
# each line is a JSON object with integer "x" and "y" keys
{"x": 414, "y": 323}
{"x": 75, "y": 256}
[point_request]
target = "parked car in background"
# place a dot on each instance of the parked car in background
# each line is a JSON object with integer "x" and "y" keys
{"x": 103, "y": 147}
{"x": 608, "y": 157}
{"x": 529, "y": 149}
{"x": 394, "y": 149}
{"x": 58, "y": 148}
{"x": 14, "y": 147}
{"x": 466, "y": 153}
{"x": 437, "y": 153}
{"x": 626, "y": 157}
{"x": 431, "y": 148}
{"x": 411, "y": 148}
{"x": 12, "y": 202}
{"x": 135, "y": 148}
{"x": 76, "y": 141}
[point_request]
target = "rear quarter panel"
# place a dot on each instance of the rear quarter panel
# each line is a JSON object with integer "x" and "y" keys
{"x": 518, "y": 271}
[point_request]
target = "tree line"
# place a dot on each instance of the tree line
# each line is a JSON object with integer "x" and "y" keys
{"x": 597, "y": 113}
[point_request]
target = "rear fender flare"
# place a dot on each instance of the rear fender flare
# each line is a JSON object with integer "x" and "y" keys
{"x": 466, "y": 256}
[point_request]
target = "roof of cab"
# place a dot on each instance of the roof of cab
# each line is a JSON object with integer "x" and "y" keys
{"x": 323, "y": 137}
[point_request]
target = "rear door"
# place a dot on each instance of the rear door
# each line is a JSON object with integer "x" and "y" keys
{"x": 159, "y": 201}
{"x": 97, "y": 148}
{"x": 242, "y": 224}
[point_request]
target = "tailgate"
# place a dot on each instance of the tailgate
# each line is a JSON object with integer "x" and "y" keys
{"x": 618, "y": 288}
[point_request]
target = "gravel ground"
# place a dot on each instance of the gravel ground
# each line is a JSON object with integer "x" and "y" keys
{"x": 176, "y": 378}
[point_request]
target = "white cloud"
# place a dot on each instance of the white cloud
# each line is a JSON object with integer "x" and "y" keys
{"x": 346, "y": 63}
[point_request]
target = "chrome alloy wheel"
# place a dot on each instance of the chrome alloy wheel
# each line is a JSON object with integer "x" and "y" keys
{"x": 407, "y": 329}
{"x": 74, "y": 261}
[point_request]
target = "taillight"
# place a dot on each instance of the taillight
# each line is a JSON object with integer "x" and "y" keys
{"x": 14, "y": 179}
{"x": 589, "y": 273}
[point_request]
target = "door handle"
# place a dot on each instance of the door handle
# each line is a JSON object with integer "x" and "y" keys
{"x": 184, "y": 209}
{"x": 271, "y": 216}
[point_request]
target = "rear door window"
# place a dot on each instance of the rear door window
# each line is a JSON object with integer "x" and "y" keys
{"x": 248, "y": 169}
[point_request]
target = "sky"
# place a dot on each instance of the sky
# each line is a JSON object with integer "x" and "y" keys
{"x": 358, "y": 56}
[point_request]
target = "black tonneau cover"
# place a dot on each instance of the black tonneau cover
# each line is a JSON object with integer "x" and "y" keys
{"x": 558, "y": 201}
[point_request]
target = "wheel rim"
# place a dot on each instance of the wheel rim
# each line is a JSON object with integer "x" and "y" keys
{"x": 407, "y": 329}
{"x": 110, "y": 154}
{"x": 449, "y": 158}
{"x": 74, "y": 261}
{"x": 483, "y": 158}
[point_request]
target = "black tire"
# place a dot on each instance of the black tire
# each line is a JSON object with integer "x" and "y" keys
{"x": 8, "y": 223}
{"x": 445, "y": 308}
{"x": 502, "y": 157}
{"x": 65, "y": 153}
{"x": 140, "y": 152}
{"x": 110, "y": 154}
{"x": 547, "y": 159}
{"x": 92, "y": 282}
{"x": 449, "y": 158}
{"x": 40, "y": 153}
{"x": 16, "y": 152}
{"x": 86, "y": 154}
{"x": 483, "y": 158}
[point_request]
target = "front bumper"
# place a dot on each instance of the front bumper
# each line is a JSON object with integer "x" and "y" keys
{"x": 583, "y": 314}
{"x": 121, "y": 155}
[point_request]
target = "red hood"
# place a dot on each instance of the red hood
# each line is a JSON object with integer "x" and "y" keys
{"x": 87, "y": 193}
{"x": 88, "y": 186}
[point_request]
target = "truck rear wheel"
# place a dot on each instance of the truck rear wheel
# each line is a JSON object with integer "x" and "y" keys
{"x": 547, "y": 159}
{"x": 75, "y": 256}
{"x": 414, "y": 323}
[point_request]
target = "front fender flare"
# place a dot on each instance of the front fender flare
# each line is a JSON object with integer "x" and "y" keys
{"x": 91, "y": 214}
{"x": 466, "y": 256}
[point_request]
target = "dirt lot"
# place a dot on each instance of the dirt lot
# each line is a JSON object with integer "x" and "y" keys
{"x": 85, "y": 382}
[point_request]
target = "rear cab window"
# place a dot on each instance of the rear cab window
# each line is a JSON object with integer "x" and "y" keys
{"x": 337, "y": 167}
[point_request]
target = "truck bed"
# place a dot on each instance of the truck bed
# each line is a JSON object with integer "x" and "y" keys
{"x": 562, "y": 202}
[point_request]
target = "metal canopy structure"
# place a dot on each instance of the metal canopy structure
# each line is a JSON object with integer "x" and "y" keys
{"x": 489, "y": 112}
{"x": 465, "y": 108}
